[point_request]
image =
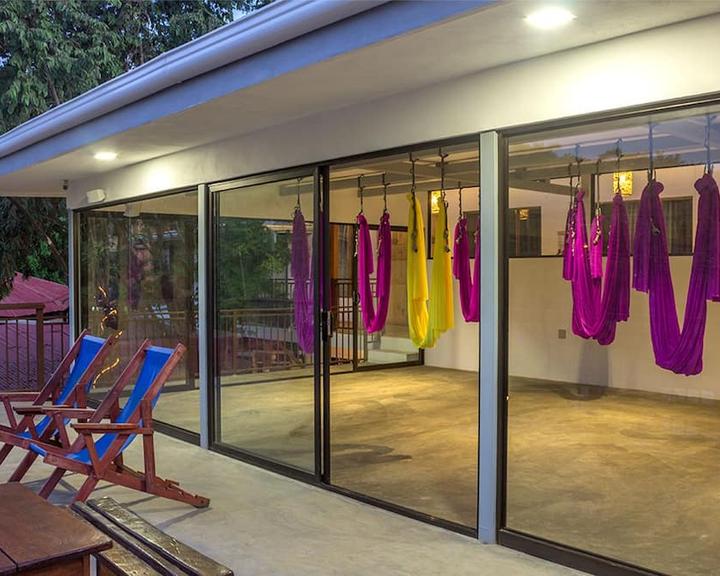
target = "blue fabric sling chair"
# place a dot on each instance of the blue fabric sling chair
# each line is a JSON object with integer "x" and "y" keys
{"x": 102, "y": 458}
{"x": 68, "y": 386}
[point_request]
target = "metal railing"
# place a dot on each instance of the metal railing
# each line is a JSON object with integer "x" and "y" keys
{"x": 31, "y": 346}
{"x": 262, "y": 339}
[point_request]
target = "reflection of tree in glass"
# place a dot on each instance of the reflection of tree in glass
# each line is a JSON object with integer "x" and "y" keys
{"x": 252, "y": 258}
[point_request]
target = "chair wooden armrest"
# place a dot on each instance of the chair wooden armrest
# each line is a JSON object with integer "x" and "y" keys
{"x": 106, "y": 427}
{"x": 69, "y": 412}
{"x": 35, "y": 410}
{"x": 18, "y": 396}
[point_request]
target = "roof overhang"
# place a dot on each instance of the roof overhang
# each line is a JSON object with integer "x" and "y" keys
{"x": 290, "y": 60}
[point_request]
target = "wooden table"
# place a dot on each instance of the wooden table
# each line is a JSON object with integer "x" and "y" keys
{"x": 37, "y": 538}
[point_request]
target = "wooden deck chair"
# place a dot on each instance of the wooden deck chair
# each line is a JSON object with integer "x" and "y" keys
{"x": 102, "y": 458}
{"x": 68, "y": 386}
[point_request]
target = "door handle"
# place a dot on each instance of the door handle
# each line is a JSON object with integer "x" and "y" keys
{"x": 326, "y": 318}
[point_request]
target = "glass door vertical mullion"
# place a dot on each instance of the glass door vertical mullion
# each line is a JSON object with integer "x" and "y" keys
{"x": 323, "y": 190}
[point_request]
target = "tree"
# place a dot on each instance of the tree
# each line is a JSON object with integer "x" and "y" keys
{"x": 250, "y": 258}
{"x": 54, "y": 50}
{"x": 34, "y": 239}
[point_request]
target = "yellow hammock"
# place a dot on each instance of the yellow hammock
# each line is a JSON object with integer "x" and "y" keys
{"x": 425, "y": 326}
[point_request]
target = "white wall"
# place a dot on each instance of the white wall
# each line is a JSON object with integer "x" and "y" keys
{"x": 526, "y": 92}
{"x": 541, "y": 304}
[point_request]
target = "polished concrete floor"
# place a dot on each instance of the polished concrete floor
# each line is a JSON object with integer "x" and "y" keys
{"x": 386, "y": 426}
{"x": 263, "y": 524}
{"x": 628, "y": 475}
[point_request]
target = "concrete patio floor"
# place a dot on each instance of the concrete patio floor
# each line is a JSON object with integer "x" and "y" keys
{"x": 260, "y": 523}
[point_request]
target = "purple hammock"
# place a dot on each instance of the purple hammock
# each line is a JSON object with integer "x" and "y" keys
{"x": 596, "y": 308}
{"x": 373, "y": 321}
{"x": 675, "y": 350}
{"x": 303, "y": 290}
{"x": 469, "y": 285}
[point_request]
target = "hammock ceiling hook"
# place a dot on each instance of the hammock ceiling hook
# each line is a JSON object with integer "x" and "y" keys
{"x": 361, "y": 190}
{"x": 413, "y": 234}
{"x": 578, "y": 161}
{"x": 708, "y": 150}
{"x": 460, "y": 208}
{"x": 651, "y": 152}
{"x": 598, "y": 211}
{"x": 571, "y": 188}
{"x": 385, "y": 184}
{"x": 298, "y": 207}
{"x": 412, "y": 172}
{"x": 442, "y": 173}
{"x": 618, "y": 156}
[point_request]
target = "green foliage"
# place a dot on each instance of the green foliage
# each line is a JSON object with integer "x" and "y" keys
{"x": 27, "y": 245}
{"x": 249, "y": 256}
{"x": 54, "y": 50}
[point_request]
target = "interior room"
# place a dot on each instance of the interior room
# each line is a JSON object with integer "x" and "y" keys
{"x": 138, "y": 277}
{"x": 401, "y": 417}
{"x": 613, "y": 418}
{"x": 400, "y": 421}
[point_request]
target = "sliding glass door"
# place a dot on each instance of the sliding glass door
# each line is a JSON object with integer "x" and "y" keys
{"x": 265, "y": 343}
{"x": 137, "y": 274}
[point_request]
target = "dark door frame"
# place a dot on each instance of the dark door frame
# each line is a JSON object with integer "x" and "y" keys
{"x": 214, "y": 397}
{"x": 553, "y": 551}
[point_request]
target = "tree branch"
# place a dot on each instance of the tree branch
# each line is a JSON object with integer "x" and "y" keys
{"x": 59, "y": 258}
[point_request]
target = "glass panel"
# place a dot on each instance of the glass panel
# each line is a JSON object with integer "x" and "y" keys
{"x": 138, "y": 273}
{"x": 607, "y": 451}
{"x": 402, "y": 431}
{"x": 264, "y": 321}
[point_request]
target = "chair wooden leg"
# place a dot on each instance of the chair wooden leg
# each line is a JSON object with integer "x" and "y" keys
{"x": 4, "y": 451}
{"x": 51, "y": 482}
{"x": 86, "y": 489}
{"x": 23, "y": 467}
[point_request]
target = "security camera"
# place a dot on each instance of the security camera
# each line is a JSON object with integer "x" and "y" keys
{"x": 66, "y": 185}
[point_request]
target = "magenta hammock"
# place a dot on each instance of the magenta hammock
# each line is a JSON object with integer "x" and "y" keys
{"x": 597, "y": 308}
{"x": 676, "y": 350}
{"x": 372, "y": 320}
{"x": 469, "y": 285}
{"x": 300, "y": 268}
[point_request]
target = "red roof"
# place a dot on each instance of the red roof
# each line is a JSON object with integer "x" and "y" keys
{"x": 31, "y": 290}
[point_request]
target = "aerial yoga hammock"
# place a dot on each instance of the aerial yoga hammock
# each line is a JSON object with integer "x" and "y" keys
{"x": 469, "y": 286}
{"x": 372, "y": 320}
{"x": 300, "y": 268}
{"x": 676, "y": 350}
{"x": 428, "y": 317}
{"x": 597, "y": 308}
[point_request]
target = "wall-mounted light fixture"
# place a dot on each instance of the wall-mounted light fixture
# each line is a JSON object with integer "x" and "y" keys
{"x": 105, "y": 156}
{"x": 549, "y": 17}
{"x": 623, "y": 182}
{"x": 435, "y": 201}
{"x": 95, "y": 196}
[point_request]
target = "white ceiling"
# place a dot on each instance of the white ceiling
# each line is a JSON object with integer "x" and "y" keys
{"x": 490, "y": 37}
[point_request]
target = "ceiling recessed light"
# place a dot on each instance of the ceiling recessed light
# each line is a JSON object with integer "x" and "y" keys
{"x": 549, "y": 17}
{"x": 105, "y": 156}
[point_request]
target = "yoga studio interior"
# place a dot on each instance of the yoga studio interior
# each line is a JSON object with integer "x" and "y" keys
{"x": 345, "y": 328}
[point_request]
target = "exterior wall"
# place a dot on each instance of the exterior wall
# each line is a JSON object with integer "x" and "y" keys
{"x": 627, "y": 71}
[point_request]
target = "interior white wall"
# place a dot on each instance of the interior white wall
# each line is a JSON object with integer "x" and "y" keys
{"x": 541, "y": 305}
{"x": 521, "y": 93}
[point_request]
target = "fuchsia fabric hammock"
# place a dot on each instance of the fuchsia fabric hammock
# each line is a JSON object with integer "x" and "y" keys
{"x": 373, "y": 321}
{"x": 679, "y": 351}
{"x": 300, "y": 268}
{"x": 469, "y": 286}
{"x": 596, "y": 308}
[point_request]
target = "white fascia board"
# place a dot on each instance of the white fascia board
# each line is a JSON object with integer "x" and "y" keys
{"x": 274, "y": 24}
